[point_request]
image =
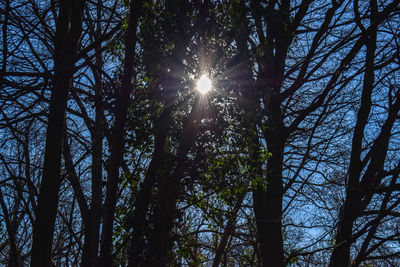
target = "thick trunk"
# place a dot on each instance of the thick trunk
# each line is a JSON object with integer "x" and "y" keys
{"x": 268, "y": 193}
{"x": 68, "y": 30}
{"x": 165, "y": 212}
{"x": 269, "y": 219}
{"x": 117, "y": 144}
{"x": 157, "y": 167}
{"x": 341, "y": 253}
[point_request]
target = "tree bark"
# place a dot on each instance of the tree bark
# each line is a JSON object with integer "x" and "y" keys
{"x": 117, "y": 145}
{"x": 68, "y": 31}
{"x": 165, "y": 211}
{"x": 341, "y": 253}
{"x": 92, "y": 228}
{"x": 270, "y": 222}
{"x": 157, "y": 168}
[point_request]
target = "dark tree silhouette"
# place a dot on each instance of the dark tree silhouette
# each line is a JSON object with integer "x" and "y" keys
{"x": 110, "y": 156}
{"x": 68, "y": 31}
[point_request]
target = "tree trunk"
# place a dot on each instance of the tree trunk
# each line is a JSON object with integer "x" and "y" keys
{"x": 92, "y": 228}
{"x": 229, "y": 231}
{"x": 157, "y": 168}
{"x": 165, "y": 212}
{"x": 68, "y": 31}
{"x": 341, "y": 253}
{"x": 161, "y": 164}
{"x": 267, "y": 191}
{"x": 117, "y": 145}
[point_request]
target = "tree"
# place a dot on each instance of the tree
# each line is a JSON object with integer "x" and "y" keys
{"x": 366, "y": 171}
{"x": 280, "y": 77}
{"x": 117, "y": 141}
{"x": 290, "y": 159}
{"x": 68, "y": 30}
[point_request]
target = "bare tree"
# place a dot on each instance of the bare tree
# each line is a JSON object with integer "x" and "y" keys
{"x": 68, "y": 31}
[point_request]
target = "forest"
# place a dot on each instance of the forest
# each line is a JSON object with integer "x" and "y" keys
{"x": 199, "y": 133}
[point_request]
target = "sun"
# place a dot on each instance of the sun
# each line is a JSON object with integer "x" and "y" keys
{"x": 204, "y": 84}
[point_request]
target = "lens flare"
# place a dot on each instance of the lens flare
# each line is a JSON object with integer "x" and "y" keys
{"x": 204, "y": 84}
